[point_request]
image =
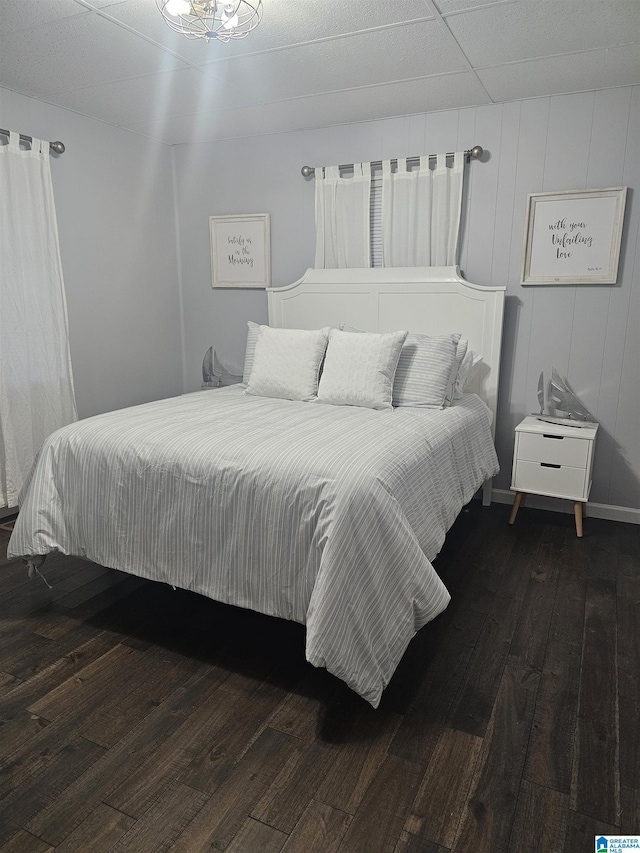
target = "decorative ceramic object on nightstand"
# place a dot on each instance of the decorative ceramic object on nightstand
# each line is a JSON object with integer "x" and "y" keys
{"x": 553, "y": 459}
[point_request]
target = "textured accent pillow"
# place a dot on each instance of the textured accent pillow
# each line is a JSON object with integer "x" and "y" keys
{"x": 249, "y": 353}
{"x": 461, "y": 351}
{"x": 286, "y": 363}
{"x": 424, "y": 374}
{"x": 469, "y": 367}
{"x": 359, "y": 369}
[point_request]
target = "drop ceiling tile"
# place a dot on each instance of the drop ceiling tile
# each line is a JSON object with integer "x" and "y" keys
{"x": 398, "y": 53}
{"x": 577, "y": 72}
{"x": 445, "y": 7}
{"x": 289, "y": 22}
{"x": 19, "y": 15}
{"x": 374, "y": 102}
{"x": 205, "y": 127}
{"x": 284, "y": 22}
{"x": 407, "y": 97}
{"x": 83, "y": 50}
{"x": 528, "y": 30}
{"x": 171, "y": 93}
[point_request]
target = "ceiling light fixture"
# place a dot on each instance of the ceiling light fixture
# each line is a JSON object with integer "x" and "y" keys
{"x": 212, "y": 19}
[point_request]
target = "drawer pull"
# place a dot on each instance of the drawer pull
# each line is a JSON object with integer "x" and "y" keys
{"x": 549, "y": 465}
{"x": 546, "y": 435}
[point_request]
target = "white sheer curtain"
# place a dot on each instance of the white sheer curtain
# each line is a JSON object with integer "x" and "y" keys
{"x": 421, "y": 212}
{"x": 36, "y": 384}
{"x": 342, "y": 218}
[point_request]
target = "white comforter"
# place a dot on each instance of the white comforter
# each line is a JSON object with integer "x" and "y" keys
{"x": 325, "y": 515}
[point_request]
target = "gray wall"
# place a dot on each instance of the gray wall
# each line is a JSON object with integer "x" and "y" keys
{"x": 591, "y": 333}
{"x": 115, "y": 209}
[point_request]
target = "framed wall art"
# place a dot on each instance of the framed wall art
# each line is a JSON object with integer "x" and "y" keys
{"x": 240, "y": 250}
{"x": 573, "y": 237}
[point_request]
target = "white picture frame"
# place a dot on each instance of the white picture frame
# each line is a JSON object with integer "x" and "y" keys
{"x": 573, "y": 237}
{"x": 240, "y": 250}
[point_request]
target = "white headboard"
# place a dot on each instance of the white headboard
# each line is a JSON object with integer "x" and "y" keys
{"x": 430, "y": 300}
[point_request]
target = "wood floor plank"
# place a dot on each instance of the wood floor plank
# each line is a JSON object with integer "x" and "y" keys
{"x": 73, "y": 805}
{"x": 542, "y": 814}
{"x": 256, "y": 837}
{"x": 153, "y": 680}
{"x": 378, "y": 822}
{"x": 231, "y": 736}
{"x": 630, "y": 816}
{"x": 358, "y": 760}
{"x": 582, "y": 831}
{"x": 628, "y": 639}
{"x": 103, "y": 828}
{"x": 472, "y": 710}
{"x": 530, "y": 638}
{"x": 24, "y": 693}
{"x": 99, "y": 678}
{"x": 161, "y": 826}
{"x": 35, "y": 792}
{"x": 34, "y": 652}
{"x": 207, "y": 730}
{"x": 226, "y": 810}
{"x": 320, "y": 827}
{"x": 486, "y": 823}
{"x": 567, "y": 623}
{"x": 408, "y": 843}
{"x": 551, "y": 745}
{"x": 25, "y": 842}
{"x": 295, "y": 787}
{"x": 439, "y": 804}
{"x": 301, "y": 712}
{"x": 629, "y": 736}
{"x": 175, "y": 754}
{"x": 440, "y": 685}
{"x": 595, "y": 786}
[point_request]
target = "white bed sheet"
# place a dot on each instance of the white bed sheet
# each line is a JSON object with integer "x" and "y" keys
{"x": 325, "y": 515}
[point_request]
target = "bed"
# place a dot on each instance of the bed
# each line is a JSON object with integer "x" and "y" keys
{"x": 328, "y": 515}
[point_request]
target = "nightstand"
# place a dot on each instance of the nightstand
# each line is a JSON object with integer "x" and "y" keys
{"x": 554, "y": 460}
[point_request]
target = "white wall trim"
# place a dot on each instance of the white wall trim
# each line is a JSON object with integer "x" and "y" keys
{"x": 176, "y": 225}
{"x": 613, "y": 513}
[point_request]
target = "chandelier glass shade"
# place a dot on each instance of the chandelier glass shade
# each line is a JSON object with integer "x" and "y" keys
{"x": 222, "y": 20}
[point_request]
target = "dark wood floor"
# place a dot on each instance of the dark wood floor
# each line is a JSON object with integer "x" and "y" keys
{"x": 139, "y": 718}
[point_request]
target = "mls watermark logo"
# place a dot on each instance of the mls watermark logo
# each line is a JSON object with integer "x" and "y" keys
{"x": 617, "y": 843}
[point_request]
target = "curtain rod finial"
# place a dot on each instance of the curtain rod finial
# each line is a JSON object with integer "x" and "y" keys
{"x": 307, "y": 171}
{"x": 477, "y": 151}
{"x": 58, "y": 147}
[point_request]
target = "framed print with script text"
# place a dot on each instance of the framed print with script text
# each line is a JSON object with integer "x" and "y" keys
{"x": 573, "y": 237}
{"x": 240, "y": 250}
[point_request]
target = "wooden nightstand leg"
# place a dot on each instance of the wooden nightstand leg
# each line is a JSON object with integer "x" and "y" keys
{"x": 577, "y": 510}
{"x": 520, "y": 496}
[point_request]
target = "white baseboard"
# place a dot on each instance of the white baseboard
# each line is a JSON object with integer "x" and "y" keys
{"x": 613, "y": 513}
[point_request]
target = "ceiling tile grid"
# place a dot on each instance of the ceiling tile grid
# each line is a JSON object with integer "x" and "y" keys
{"x": 311, "y": 63}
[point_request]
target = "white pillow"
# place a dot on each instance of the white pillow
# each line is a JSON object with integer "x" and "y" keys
{"x": 424, "y": 374}
{"x": 468, "y": 369}
{"x": 286, "y": 363}
{"x": 359, "y": 369}
{"x": 249, "y": 353}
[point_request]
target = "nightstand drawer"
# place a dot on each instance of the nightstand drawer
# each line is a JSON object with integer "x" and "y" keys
{"x": 558, "y": 449}
{"x": 562, "y": 481}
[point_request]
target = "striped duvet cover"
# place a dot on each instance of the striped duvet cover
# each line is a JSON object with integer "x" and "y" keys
{"x": 325, "y": 515}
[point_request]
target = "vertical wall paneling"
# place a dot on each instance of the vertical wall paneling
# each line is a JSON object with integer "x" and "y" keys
{"x": 513, "y": 402}
{"x": 483, "y": 189}
{"x": 591, "y": 333}
{"x": 466, "y": 133}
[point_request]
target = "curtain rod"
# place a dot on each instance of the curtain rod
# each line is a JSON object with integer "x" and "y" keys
{"x": 58, "y": 147}
{"x": 471, "y": 153}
